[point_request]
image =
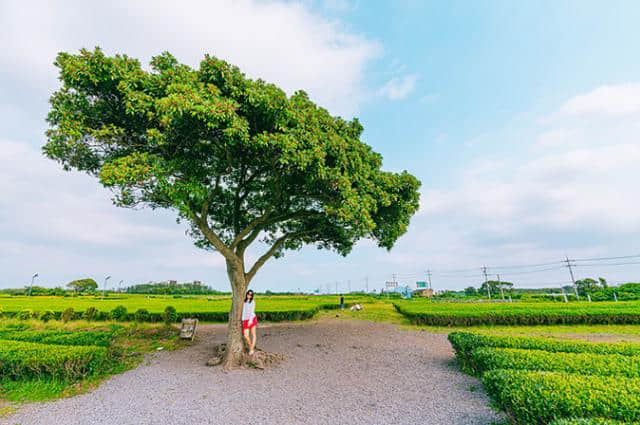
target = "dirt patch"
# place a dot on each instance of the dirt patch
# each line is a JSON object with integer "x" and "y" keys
{"x": 260, "y": 359}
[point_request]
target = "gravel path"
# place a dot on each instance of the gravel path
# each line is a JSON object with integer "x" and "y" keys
{"x": 335, "y": 372}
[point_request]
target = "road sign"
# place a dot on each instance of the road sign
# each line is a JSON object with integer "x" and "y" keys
{"x": 421, "y": 285}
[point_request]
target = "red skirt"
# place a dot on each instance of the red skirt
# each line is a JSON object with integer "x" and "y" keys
{"x": 248, "y": 324}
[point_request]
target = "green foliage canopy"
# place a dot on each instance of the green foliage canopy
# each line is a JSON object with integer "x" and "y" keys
{"x": 83, "y": 285}
{"x": 237, "y": 158}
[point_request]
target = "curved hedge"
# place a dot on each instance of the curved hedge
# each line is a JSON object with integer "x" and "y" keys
{"x": 465, "y": 342}
{"x": 102, "y": 339}
{"x": 483, "y": 359}
{"x": 472, "y": 314}
{"x": 540, "y": 397}
{"x": 593, "y": 421}
{"x": 20, "y": 360}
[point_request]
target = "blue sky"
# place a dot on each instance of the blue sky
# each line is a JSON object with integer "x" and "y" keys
{"x": 521, "y": 119}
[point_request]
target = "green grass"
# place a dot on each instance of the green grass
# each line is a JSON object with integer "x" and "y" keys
{"x": 207, "y": 308}
{"x": 378, "y": 311}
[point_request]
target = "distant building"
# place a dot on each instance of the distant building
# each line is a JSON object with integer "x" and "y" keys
{"x": 426, "y": 292}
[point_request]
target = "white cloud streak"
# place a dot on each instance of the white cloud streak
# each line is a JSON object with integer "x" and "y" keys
{"x": 398, "y": 88}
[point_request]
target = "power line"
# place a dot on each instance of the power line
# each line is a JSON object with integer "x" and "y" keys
{"x": 608, "y": 258}
{"x": 607, "y": 264}
{"x": 522, "y": 266}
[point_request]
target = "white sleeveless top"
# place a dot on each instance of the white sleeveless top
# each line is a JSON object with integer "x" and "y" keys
{"x": 248, "y": 311}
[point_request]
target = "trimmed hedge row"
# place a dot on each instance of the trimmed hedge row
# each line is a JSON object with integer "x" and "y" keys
{"x": 20, "y": 360}
{"x": 474, "y": 315}
{"x": 483, "y": 359}
{"x": 540, "y": 397}
{"x": 593, "y": 421}
{"x": 465, "y": 342}
{"x": 205, "y": 316}
{"x": 97, "y": 338}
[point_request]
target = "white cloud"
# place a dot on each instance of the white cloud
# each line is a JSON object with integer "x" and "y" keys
{"x": 398, "y": 87}
{"x": 574, "y": 189}
{"x": 610, "y": 100}
{"x": 281, "y": 42}
{"x": 64, "y": 222}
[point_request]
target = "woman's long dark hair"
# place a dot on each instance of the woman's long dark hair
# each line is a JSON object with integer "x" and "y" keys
{"x": 246, "y": 296}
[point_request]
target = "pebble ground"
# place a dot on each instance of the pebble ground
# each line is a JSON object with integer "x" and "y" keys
{"x": 335, "y": 372}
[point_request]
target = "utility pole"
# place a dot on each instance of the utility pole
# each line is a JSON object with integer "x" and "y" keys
{"x": 349, "y": 285}
{"x": 366, "y": 284}
{"x": 32, "y": 279}
{"x": 104, "y": 289}
{"x": 336, "y": 286}
{"x": 486, "y": 280}
{"x": 573, "y": 280}
{"x": 500, "y": 286}
{"x": 429, "y": 278}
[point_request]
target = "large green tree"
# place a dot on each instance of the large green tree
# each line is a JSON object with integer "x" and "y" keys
{"x": 238, "y": 159}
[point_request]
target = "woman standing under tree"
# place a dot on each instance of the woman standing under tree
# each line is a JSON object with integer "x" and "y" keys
{"x": 249, "y": 321}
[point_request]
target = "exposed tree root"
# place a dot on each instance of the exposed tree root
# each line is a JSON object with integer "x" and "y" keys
{"x": 258, "y": 360}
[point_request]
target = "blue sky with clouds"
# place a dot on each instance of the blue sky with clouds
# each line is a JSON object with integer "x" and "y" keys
{"x": 522, "y": 119}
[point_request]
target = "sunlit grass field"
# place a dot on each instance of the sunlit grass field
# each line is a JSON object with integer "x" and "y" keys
{"x": 157, "y": 303}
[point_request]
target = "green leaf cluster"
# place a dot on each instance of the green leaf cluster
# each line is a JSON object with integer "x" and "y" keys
{"x": 237, "y": 158}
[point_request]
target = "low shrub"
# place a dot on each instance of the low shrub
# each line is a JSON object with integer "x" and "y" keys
{"x": 465, "y": 342}
{"x": 67, "y": 315}
{"x": 483, "y": 359}
{"x": 97, "y": 338}
{"x": 20, "y": 360}
{"x": 119, "y": 313}
{"x": 544, "y": 313}
{"x": 25, "y": 314}
{"x": 90, "y": 314}
{"x": 47, "y": 315}
{"x": 170, "y": 315}
{"x": 592, "y": 421}
{"x": 142, "y": 315}
{"x": 540, "y": 397}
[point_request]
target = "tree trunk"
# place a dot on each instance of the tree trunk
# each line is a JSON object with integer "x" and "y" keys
{"x": 234, "y": 336}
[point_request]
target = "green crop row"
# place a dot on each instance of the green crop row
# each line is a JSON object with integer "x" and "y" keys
{"x": 465, "y": 342}
{"x": 142, "y": 315}
{"x": 483, "y": 359}
{"x": 23, "y": 360}
{"x": 587, "y": 421}
{"x": 540, "y": 397}
{"x": 97, "y": 338}
{"x": 473, "y": 314}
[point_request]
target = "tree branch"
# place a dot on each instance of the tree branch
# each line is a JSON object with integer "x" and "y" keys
{"x": 212, "y": 236}
{"x": 276, "y": 245}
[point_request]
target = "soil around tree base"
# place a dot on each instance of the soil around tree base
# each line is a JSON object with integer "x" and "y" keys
{"x": 260, "y": 359}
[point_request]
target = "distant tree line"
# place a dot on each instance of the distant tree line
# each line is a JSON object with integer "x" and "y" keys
{"x": 171, "y": 288}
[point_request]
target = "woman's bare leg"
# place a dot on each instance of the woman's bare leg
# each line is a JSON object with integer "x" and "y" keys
{"x": 253, "y": 340}
{"x": 245, "y": 333}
